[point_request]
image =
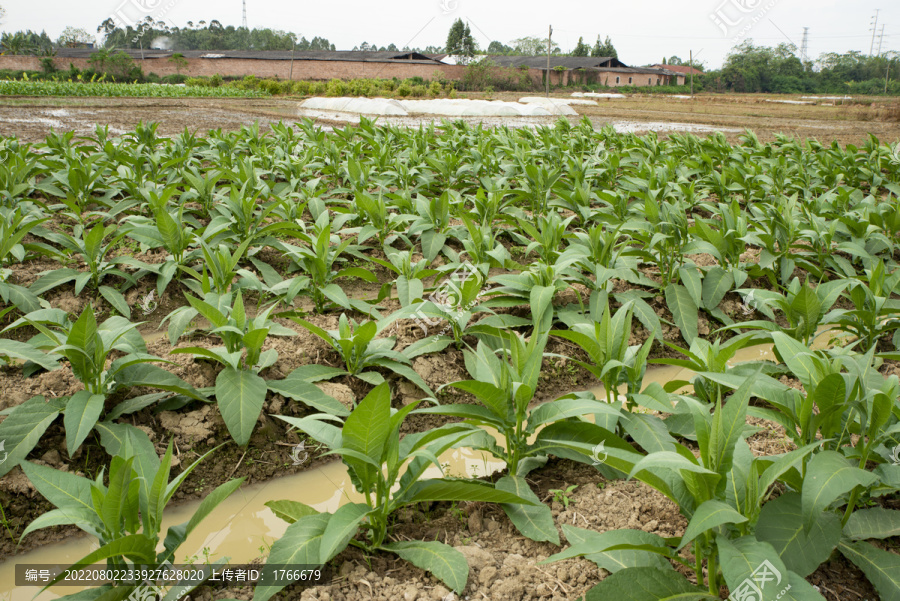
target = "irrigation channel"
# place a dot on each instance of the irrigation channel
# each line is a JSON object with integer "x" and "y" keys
{"x": 241, "y": 525}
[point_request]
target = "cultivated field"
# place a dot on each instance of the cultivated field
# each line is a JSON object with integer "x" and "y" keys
{"x": 674, "y": 358}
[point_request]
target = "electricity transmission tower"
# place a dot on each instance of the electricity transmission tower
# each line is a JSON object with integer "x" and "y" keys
{"x": 880, "y": 39}
{"x": 804, "y": 47}
{"x": 244, "y": 19}
{"x": 873, "y": 30}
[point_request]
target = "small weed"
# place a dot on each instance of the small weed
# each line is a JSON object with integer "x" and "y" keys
{"x": 563, "y": 496}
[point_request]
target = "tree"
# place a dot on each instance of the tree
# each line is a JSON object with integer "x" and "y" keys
{"x": 674, "y": 60}
{"x": 533, "y": 46}
{"x": 581, "y": 49}
{"x": 455, "y": 36}
{"x": 496, "y": 47}
{"x": 72, "y": 37}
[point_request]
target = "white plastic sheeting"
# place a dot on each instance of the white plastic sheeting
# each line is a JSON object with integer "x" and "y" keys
{"x": 827, "y": 97}
{"x": 596, "y": 95}
{"x": 364, "y": 106}
{"x": 556, "y": 101}
{"x": 438, "y": 107}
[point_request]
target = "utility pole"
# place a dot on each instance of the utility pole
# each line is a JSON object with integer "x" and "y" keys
{"x": 887, "y": 74}
{"x": 549, "y": 36}
{"x": 293, "y": 48}
{"x": 874, "y": 28}
{"x": 692, "y": 75}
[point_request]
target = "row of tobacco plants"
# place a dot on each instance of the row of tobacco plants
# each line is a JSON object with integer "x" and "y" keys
{"x": 480, "y": 234}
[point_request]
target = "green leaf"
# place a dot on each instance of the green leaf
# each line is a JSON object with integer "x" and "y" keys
{"x": 459, "y": 490}
{"x": 298, "y": 546}
{"x": 140, "y": 548}
{"x": 690, "y": 277}
{"x": 876, "y": 522}
{"x": 797, "y": 357}
{"x": 23, "y": 428}
{"x": 116, "y": 299}
{"x": 26, "y": 352}
{"x": 648, "y": 431}
{"x": 882, "y": 568}
{"x": 154, "y": 376}
{"x": 598, "y": 547}
{"x": 82, "y": 412}
{"x": 79, "y": 516}
{"x": 290, "y": 511}
{"x": 684, "y": 310}
{"x": 710, "y": 514}
{"x": 367, "y": 429}
{"x": 534, "y": 521}
{"x": 743, "y": 557}
{"x": 828, "y": 476}
{"x": 342, "y": 526}
{"x": 240, "y": 395}
{"x": 716, "y": 285}
{"x": 298, "y": 389}
{"x": 647, "y": 584}
{"x": 314, "y": 373}
{"x": 781, "y": 525}
{"x": 52, "y": 280}
{"x": 445, "y": 562}
{"x": 63, "y": 489}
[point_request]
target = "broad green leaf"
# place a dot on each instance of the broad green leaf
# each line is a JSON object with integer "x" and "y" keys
{"x": 63, "y": 489}
{"x": 299, "y": 545}
{"x": 342, "y": 526}
{"x": 797, "y": 357}
{"x": 781, "y": 525}
{"x": 290, "y": 511}
{"x": 84, "y": 518}
{"x": 828, "y": 476}
{"x": 139, "y": 548}
{"x": 300, "y": 390}
{"x": 710, "y": 514}
{"x": 367, "y": 429}
{"x": 314, "y": 373}
{"x": 116, "y": 299}
{"x": 82, "y": 412}
{"x": 23, "y": 428}
{"x": 445, "y": 562}
{"x": 240, "y": 395}
{"x": 26, "y": 352}
{"x": 648, "y": 431}
{"x": 716, "y": 285}
{"x": 882, "y": 568}
{"x": 647, "y": 584}
{"x": 460, "y": 490}
{"x": 743, "y": 557}
{"x": 607, "y": 550}
{"x": 684, "y": 310}
{"x": 876, "y": 522}
{"x": 154, "y": 376}
{"x": 534, "y": 521}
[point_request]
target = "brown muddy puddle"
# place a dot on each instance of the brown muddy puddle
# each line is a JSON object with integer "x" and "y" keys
{"x": 250, "y": 527}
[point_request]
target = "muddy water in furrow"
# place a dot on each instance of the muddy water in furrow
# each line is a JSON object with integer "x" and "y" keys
{"x": 243, "y": 527}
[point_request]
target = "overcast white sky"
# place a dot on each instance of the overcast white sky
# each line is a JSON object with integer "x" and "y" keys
{"x": 643, "y": 31}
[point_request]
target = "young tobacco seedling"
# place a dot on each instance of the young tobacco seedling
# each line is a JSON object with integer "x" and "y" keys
{"x": 389, "y": 472}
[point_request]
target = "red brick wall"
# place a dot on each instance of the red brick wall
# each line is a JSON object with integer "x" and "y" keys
{"x": 261, "y": 68}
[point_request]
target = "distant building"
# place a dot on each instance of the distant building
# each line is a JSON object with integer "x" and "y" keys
{"x": 682, "y": 71}
{"x": 604, "y": 70}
